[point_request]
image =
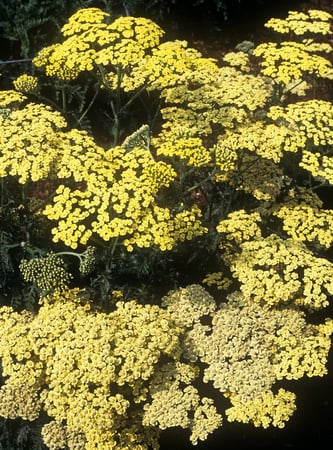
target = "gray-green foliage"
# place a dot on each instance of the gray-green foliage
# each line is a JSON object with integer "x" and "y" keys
{"x": 19, "y": 436}
{"x": 25, "y": 22}
{"x": 6, "y": 265}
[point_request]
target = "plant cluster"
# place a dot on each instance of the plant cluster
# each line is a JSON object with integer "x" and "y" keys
{"x": 209, "y": 164}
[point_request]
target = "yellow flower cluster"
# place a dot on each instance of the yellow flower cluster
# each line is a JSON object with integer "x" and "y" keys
{"x": 10, "y": 98}
{"x": 164, "y": 229}
{"x": 218, "y": 280}
{"x": 302, "y": 356}
{"x": 86, "y": 368}
{"x": 269, "y": 141}
{"x": 170, "y": 64}
{"x": 260, "y": 177}
{"x": 290, "y": 61}
{"x": 320, "y": 166}
{"x": 226, "y": 158}
{"x": 312, "y": 124}
{"x": 307, "y": 223}
{"x": 179, "y": 143}
{"x": 119, "y": 199}
{"x": 27, "y": 147}
{"x": 26, "y": 83}
{"x": 239, "y": 226}
{"x": 225, "y": 97}
{"x": 275, "y": 270}
{"x": 47, "y": 272}
{"x": 85, "y": 20}
{"x": 115, "y": 191}
{"x": 313, "y": 21}
{"x": 238, "y": 59}
{"x": 312, "y": 119}
{"x": 268, "y": 409}
{"x": 92, "y": 40}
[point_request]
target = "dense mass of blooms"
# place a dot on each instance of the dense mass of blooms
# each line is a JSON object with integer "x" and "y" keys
{"x": 99, "y": 378}
{"x": 232, "y": 169}
{"x": 289, "y": 60}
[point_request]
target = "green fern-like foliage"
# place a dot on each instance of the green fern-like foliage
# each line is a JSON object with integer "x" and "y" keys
{"x": 26, "y": 22}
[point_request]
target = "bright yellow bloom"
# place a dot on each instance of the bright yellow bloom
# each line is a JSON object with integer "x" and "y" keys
{"x": 26, "y": 83}
{"x": 300, "y": 23}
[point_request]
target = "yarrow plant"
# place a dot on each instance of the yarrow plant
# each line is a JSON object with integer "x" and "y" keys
{"x": 220, "y": 174}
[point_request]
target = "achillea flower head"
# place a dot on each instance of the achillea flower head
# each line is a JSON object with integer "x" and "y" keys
{"x": 26, "y": 83}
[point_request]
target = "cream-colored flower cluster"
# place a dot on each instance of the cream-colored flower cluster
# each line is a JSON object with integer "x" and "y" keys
{"x": 115, "y": 380}
{"x": 56, "y": 436}
{"x": 172, "y": 407}
{"x": 248, "y": 347}
{"x": 188, "y": 305}
{"x": 282, "y": 271}
{"x": 176, "y": 402}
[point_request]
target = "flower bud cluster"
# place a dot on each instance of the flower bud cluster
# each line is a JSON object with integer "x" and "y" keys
{"x": 47, "y": 272}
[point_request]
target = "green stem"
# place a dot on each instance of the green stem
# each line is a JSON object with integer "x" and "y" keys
{"x": 198, "y": 185}
{"x": 63, "y": 98}
{"x": 92, "y": 101}
{"x": 7, "y": 246}
{"x": 78, "y": 255}
{"x": 114, "y": 245}
{"x": 116, "y": 125}
{"x": 136, "y": 95}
